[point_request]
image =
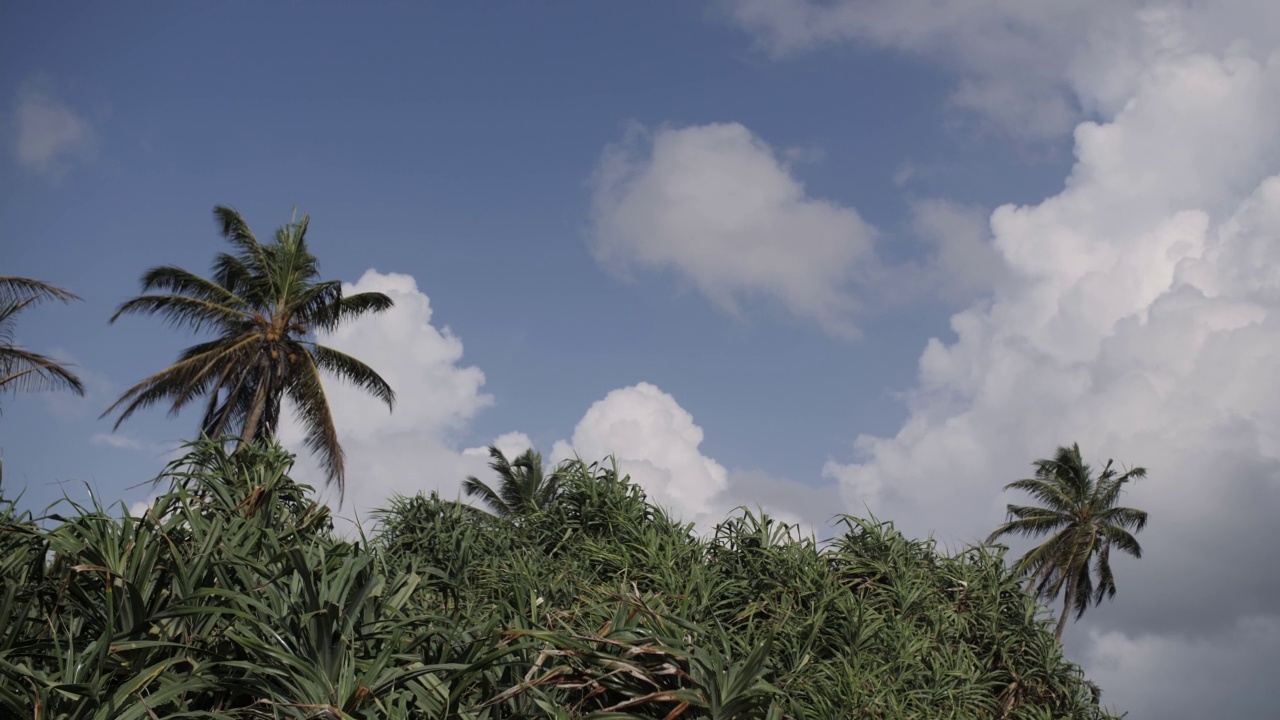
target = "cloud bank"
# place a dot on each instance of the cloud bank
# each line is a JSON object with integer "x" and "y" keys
{"x": 1138, "y": 312}
{"x": 1032, "y": 69}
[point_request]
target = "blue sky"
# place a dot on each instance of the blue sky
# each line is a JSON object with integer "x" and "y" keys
{"x": 457, "y": 145}
{"x": 819, "y": 256}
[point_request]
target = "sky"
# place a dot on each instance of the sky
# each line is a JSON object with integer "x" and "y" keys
{"x": 816, "y": 256}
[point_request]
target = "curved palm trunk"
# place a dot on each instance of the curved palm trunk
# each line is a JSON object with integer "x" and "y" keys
{"x": 1066, "y": 609}
{"x": 255, "y": 414}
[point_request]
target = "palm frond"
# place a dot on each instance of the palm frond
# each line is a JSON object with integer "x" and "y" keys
{"x": 186, "y": 379}
{"x": 352, "y": 307}
{"x": 24, "y": 370}
{"x": 174, "y": 280}
{"x": 17, "y": 289}
{"x": 181, "y": 311}
{"x": 477, "y": 488}
{"x": 312, "y": 404}
{"x": 355, "y": 372}
{"x": 1046, "y": 490}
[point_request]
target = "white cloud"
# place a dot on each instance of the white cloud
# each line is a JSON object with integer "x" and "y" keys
{"x": 655, "y": 442}
{"x": 958, "y": 260}
{"x": 1140, "y": 316}
{"x": 50, "y": 136}
{"x": 658, "y": 444}
{"x": 1011, "y": 55}
{"x": 119, "y": 441}
{"x": 1034, "y": 68}
{"x": 413, "y": 448}
{"x": 810, "y": 508}
{"x": 717, "y": 205}
{"x": 511, "y": 444}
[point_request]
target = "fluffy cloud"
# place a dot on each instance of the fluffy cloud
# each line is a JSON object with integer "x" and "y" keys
{"x": 50, "y": 136}
{"x": 511, "y": 444}
{"x": 718, "y": 205}
{"x": 1140, "y": 316}
{"x": 657, "y": 443}
{"x": 413, "y": 448}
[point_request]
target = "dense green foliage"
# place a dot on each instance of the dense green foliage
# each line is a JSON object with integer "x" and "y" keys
{"x": 232, "y": 598}
{"x": 1079, "y": 514}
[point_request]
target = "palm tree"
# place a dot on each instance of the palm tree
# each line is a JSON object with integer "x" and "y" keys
{"x": 1081, "y": 513}
{"x": 265, "y": 305}
{"x": 524, "y": 488}
{"x": 21, "y": 369}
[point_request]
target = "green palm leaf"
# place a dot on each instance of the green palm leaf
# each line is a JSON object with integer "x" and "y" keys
{"x": 22, "y": 369}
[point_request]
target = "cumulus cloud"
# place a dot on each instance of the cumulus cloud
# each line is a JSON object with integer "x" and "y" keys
{"x": 1140, "y": 316}
{"x": 718, "y": 206}
{"x": 415, "y": 448}
{"x": 50, "y": 135}
{"x": 658, "y": 444}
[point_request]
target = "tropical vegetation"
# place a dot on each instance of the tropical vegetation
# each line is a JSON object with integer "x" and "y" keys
{"x": 232, "y": 597}
{"x": 565, "y": 595}
{"x": 1080, "y": 513}
{"x": 264, "y": 304}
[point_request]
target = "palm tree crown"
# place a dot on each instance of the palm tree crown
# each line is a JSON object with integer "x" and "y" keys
{"x": 21, "y": 369}
{"x": 1080, "y": 513}
{"x": 524, "y": 488}
{"x": 264, "y": 304}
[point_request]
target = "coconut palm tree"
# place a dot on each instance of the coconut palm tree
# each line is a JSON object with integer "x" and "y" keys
{"x": 523, "y": 488}
{"x": 1080, "y": 512}
{"x": 264, "y": 304}
{"x": 21, "y": 369}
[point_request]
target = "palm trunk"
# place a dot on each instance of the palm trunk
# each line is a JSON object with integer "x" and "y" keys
{"x": 255, "y": 413}
{"x": 1066, "y": 609}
